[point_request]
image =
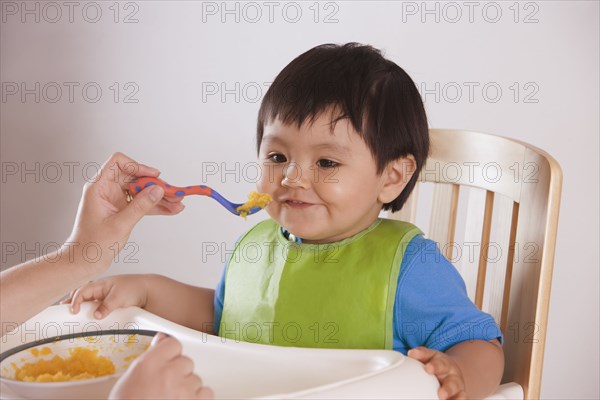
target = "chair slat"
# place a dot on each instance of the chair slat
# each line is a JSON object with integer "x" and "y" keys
{"x": 485, "y": 242}
{"x": 443, "y": 216}
{"x": 509, "y": 266}
{"x": 472, "y": 234}
{"x": 498, "y": 256}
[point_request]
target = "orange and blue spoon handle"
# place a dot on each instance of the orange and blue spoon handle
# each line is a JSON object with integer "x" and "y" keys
{"x": 139, "y": 184}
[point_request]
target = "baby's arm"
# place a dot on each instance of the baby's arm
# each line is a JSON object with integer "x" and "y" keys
{"x": 187, "y": 305}
{"x": 435, "y": 312}
{"x": 470, "y": 369}
{"x": 184, "y": 304}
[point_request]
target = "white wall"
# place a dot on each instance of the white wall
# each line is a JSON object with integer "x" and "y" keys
{"x": 176, "y": 51}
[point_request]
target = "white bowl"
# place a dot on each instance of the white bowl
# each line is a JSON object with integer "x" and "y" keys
{"x": 120, "y": 346}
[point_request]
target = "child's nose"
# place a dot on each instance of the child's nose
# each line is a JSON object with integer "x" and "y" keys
{"x": 294, "y": 176}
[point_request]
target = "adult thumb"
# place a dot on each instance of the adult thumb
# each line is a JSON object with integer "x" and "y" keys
{"x": 142, "y": 203}
{"x": 157, "y": 338}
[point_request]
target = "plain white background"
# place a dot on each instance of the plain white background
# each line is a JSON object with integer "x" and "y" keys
{"x": 177, "y": 85}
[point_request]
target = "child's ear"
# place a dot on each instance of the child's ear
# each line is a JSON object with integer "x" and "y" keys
{"x": 396, "y": 176}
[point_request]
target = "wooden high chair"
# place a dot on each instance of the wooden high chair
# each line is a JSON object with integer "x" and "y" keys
{"x": 494, "y": 214}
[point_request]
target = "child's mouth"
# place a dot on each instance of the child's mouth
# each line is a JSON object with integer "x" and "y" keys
{"x": 297, "y": 204}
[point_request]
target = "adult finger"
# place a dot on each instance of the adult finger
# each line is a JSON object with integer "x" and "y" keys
{"x": 164, "y": 349}
{"x": 173, "y": 199}
{"x": 181, "y": 365}
{"x": 165, "y": 208}
{"x": 195, "y": 382}
{"x": 141, "y": 205}
{"x": 122, "y": 169}
{"x": 145, "y": 170}
{"x": 157, "y": 338}
{"x": 205, "y": 393}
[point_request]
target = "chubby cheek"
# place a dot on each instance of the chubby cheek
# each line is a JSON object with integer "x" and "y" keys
{"x": 261, "y": 187}
{"x": 269, "y": 184}
{"x": 341, "y": 193}
{"x": 350, "y": 197}
{"x": 270, "y": 179}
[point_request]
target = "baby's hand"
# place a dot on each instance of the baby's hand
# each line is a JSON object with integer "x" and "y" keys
{"x": 112, "y": 293}
{"x": 445, "y": 369}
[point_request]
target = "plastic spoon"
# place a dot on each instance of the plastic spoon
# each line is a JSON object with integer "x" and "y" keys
{"x": 202, "y": 190}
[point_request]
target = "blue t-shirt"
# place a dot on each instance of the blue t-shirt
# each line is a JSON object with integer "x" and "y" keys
{"x": 432, "y": 308}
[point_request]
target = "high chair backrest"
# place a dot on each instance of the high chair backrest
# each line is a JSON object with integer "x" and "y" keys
{"x": 494, "y": 214}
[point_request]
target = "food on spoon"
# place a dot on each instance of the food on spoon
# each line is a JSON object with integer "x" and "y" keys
{"x": 255, "y": 199}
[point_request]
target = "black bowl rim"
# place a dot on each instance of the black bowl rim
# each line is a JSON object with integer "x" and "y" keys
{"x": 14, "y": 350}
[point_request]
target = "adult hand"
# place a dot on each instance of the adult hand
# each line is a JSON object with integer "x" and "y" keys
{"x": 104, "y": 217}
{"x": 103, "y": 224}
{"x": 162, "y": 372}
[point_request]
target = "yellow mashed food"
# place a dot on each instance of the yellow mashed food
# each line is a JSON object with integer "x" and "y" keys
{"x": 44, "y": 351}
{"x": 255, "y": 199}
{"x": 81, "y": 364}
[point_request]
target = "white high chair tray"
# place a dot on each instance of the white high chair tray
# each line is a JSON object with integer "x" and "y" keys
{"x": 244, "y": 370}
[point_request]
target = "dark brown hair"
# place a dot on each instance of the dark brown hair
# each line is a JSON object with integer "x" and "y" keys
{"x": 376, "y": 95}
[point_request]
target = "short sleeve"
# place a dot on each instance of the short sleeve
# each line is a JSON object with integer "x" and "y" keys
{"x": 219, "y": 300}
{"x": 432, "y": 308}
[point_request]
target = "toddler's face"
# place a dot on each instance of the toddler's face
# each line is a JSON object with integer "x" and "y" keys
{"x": 324, "y": 185}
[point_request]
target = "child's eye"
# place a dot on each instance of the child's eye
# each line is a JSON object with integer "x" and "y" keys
{"x": 327, "y": 163}
{"x": 277, "y": 158}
